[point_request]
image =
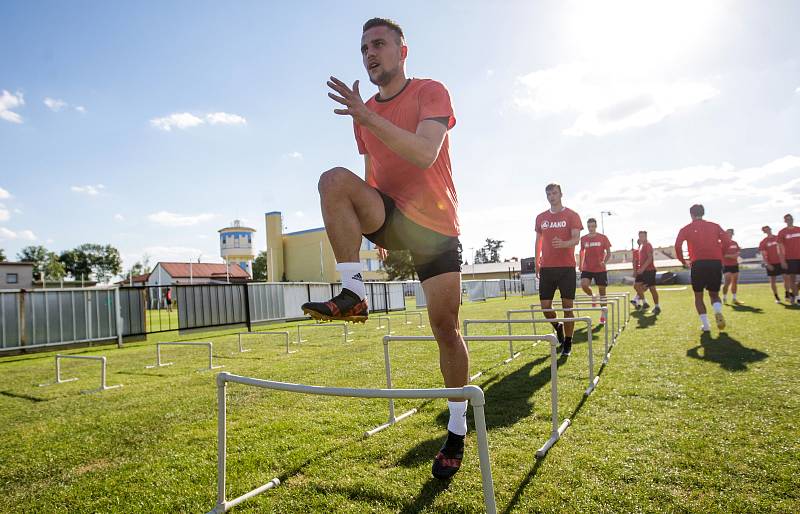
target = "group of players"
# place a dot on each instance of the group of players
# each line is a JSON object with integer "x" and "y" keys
{"x": 406, "y": 200}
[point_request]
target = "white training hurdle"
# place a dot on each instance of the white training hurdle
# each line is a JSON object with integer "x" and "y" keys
{"x": 103, "y": 386}
{"x": 345, "y": 333}
{"x": 207, "y": 344}
{"x": 593, "y": 380}
{"x": 387, "y": 326}
{"x": 624, "y": 299}
{"x": 264, "y": 333}
{"x": 557, "y": 430}
{"x": 604, "y": 310}
{"x": 558, "y": 305}
{"x": 472, "y": 393}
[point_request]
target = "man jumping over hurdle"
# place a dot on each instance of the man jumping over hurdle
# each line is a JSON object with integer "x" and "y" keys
{"x": 406, "y": 200}
{"x": 558, "y": 232}
{"x": 706, "y": 241}
{"x": 595, "y": 252}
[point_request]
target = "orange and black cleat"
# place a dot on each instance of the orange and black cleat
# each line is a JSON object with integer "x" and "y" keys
{"x": 345, "y": 306}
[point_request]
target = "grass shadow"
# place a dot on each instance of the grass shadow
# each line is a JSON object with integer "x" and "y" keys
{"x": 20, "y": 396}
{"x": 747, "y": 308}
{"x": 643, "y": 320}
{"x": 424, "y": 499}
{"x": 729, "y": 353}
{"x": 521, "y": 488}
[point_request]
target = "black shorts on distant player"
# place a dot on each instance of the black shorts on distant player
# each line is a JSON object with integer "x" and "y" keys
{"x": 706, "y": 275}
{"x": 600, "y": 277}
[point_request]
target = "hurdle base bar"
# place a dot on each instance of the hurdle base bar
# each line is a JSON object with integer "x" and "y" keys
{"x": 160, "y": 365}
{"x": 101, "y": 389}
{"x": 58, "y": 382}
{"x": 516, "y": 354}
{"x": 590, "y": 389}
{"x": 476, "y": 375}
{"x": 401, "y": 417}
{"x": 228, "y": 505}
{"x": 541, "y": 452}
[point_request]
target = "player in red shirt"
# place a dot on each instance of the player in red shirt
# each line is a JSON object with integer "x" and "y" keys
{"x": 636, "y": 300}
{"x": 706, "y": 241}
{"x": 595, "y": 252}
{"x": 789, "y": 239}
{"x": 645, "y": 272}
{"x": 405, "y": 201}
{"x": 772, "y": 254}
{"x": 730, "y": 268}
{"x": 558, "y": 232}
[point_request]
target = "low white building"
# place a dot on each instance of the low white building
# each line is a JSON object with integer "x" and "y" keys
{"x": 16, "y": 275}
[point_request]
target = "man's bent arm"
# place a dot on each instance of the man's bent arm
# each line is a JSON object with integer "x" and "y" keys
{"x": 420, "y": 148}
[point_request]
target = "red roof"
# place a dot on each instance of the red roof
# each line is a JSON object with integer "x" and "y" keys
{"x": 202, "y": 270}
{"x": 137, "y": 279}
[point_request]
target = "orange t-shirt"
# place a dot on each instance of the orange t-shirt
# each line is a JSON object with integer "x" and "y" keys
{"x": 645, "y": 253}
{"x": 425, "y": 196}
{"x": 593, "y": 248}
{"x": 769, "y": 247}
{"x": 557, "y": 224}
{"x": 790, "y": 239}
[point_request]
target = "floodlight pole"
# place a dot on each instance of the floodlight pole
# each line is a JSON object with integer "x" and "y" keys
{"x": 602, "y": 224}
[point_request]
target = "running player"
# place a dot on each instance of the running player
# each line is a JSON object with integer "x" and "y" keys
{"x": 637, "y": 299}
{"x": 646, "y": 272}
{"x": 772, "y": 254}
{"x": 558, "y": 232}
{"x": 789, "y": 238}
{"x": 595, "y": 252}
{"x": 408, "y": 201}
{"x": 730, "y": 268}
{"x": 706, "y": 241}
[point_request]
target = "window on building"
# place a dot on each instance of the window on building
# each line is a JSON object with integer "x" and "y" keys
{"x": 12, "y": 278}
{"x": 366, "y": 244}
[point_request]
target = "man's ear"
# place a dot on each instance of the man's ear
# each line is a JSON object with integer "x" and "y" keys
{"x": 404, "y": 51}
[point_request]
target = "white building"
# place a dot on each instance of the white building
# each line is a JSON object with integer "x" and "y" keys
{"x": 236, "y": 246}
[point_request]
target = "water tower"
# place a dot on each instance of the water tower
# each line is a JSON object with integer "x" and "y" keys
{"x": 236, "y": 246}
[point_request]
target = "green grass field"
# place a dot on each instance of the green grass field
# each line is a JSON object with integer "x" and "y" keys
{"x": 679, "y": 423}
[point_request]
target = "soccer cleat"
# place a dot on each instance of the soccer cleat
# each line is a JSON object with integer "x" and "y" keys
{"x": 705, "y": 329}
{"x": 720, "y": 320}
{"x": 645, "y": 306}
{"x": 602, "y": 320}
{"x": 566, "y": 348}
{"x": 737, "y": 302}
{"x": 448, "y": 461}
{"x": 560, "y": 333}
{"x": 345, "y": 306}
{"x": 656, "y": 310}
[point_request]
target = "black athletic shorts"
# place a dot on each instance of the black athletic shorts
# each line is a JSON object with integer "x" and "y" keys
{"x": 562, "y": 279}
{"x": 647, "y": 277}
{"x": 792, "y": 267}
{"x": 433, "y": 253}
{"x": 731, "y": 269}
{"x": 600, "y": 277}
{"x": 706, "y": 274}
{"x": 776, "y": 271}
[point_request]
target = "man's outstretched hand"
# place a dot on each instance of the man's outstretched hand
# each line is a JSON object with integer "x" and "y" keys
{"x": 350, "y": 98}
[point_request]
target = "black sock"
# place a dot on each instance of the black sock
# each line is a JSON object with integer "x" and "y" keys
{"x": 568, "y": 340}
{"x": 454, "y": 441}
{"x": 555, "y": 325}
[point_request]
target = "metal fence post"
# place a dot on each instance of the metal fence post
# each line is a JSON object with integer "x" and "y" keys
{"x": 247, "y": 317}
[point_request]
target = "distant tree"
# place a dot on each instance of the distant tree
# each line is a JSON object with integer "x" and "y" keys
{"x": 37, "y": 255}
{"x": 399, "y": 265}
{"x": 141, "y": 267}
{"x": 53, "y": 268}
{"x": 260, "y": 266}
{"x": 92, "y": 259}
{"x": 2, "y": 255}
{"x": 490, "y": 252}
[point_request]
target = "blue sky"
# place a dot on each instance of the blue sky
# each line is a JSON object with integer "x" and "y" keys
{"x": 151, "y": 125}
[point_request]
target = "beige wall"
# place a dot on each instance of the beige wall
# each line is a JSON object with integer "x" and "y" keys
{"x": 24, "y": 274}
{"x": 308, "y": 257}
{"x": 274, "y": 232}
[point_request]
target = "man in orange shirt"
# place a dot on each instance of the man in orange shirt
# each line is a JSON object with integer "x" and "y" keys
{"x": 595, "y": 252}
{"x": 407, "y": 201}
{"x": 730, "y": 268}
{"x": 772, "y": 254}
{"x": 789, "y": 239}
{"x": 646, "y": 272}
{"x": 558, "y": 232}
{"x": 706, "y": 241}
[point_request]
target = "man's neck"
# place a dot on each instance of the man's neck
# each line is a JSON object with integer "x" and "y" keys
{"x": 392, "y": 88}
{"x": 556, "y": 208}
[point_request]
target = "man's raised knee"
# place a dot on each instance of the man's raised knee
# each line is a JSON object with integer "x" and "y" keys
{"x": 333, "y": 178}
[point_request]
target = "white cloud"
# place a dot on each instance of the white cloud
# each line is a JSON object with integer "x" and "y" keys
{"x": 119, "y": 217}
{"x": 157, "y": 254}
{"x": 797, "y": 90}
{"x": 606, "y": 99}
{"x": 9, "y": 101}
{"x": 294, "y": 155}
{"x": 171, "y": 219}
{"x": 22, "y": 234}
{"x": 4, "y": 194}
{"x": 81, "y": 109}
{"x": 223, "y": 118}
{"x": 181, "y": 120}
{"x": 88, "y": 189}
{"x": 300, "y": 214}
{"x": 5, "y": 215}
{"x": 54, "y": 104}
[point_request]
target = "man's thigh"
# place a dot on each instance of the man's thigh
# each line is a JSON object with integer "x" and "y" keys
{"x": 366, "y": 199}
{"x": 443, "y": 296}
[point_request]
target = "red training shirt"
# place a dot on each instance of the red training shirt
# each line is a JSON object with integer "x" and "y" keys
{"x": 557, "y": 224}
{"x": 789, "y": 237}
{"x": 593, "y": 250}
{"x": 705, "y": 240}
{"x": 769, "y": 245}
{"x": 425, "y": 196}
{"x": 732, "y": 247}
{"x": 646, "y": 252}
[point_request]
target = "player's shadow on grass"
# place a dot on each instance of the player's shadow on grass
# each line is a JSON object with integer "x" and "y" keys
{"x": 426, "y": 496}
{"x": 21, "y": 396}
{"x": 643, "y": 320}
{"x": 729, "y": 353}
{"x": 747, "y": 308}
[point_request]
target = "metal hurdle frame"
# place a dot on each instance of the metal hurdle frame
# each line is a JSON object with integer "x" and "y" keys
{"x": 388, "y": 325}
{"x": 624, "y": 299}
{"x": 593, "y": 379}
{"x": 557, "y": 430}
{"x": 406, "y": 314}
{"x": 345, "y": 333}
{"x": 103, "y": 385}
{"x": 606, "y": 345}
{"x": 284, "y": 333}
{"x": 208, "y": 344}
{"x": 473, "y": 393}
{"x": 614, "y": 319}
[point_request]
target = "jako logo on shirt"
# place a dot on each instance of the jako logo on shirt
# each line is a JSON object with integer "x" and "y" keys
{"x": 554, "y": 224}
